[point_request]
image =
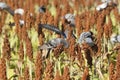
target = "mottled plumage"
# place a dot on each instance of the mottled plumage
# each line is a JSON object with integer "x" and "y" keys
{"x": 86, "y": 37}
{"x": 115, "y": 39}
{"x": 70, "y": 19}
{"x": 54, "y": 43}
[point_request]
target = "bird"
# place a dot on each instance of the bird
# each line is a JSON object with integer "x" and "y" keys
{"x": 108, "y": 1}
{"x": 102, "y": 6}
{"x": 70, "y": 19}
{"x": 21, "y": 22}
{"x": 86, "y": 37}
{"x": 105, "y": 4}
{"x": 19, "y": 11}
{"x": 52, "y": 28}
{"x": 66, "y": 34}
{"x": 54, "y": 43}
{"x": 4, "y": 6}
{"x": 42, "y": 9}
{"x": 115, "y": 38}
{"x": 50, "y": 45}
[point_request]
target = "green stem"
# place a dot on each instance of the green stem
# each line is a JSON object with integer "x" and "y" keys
{"x": 104, "y": 41}
{"x": 7, "y": 68}
{"x": 21, "y": 70}
{"x": 30, "y": 69}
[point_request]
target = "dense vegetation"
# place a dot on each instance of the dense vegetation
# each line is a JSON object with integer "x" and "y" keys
{"x": 21, "y": 58}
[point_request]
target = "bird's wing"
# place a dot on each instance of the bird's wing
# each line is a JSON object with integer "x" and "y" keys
{"x": 45, "y": 46}
{"x": 52, "y": 28}
{"x": 65, "y": 43}
{"x": 118, "y": 38}
{"x": 89, "y": 41}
